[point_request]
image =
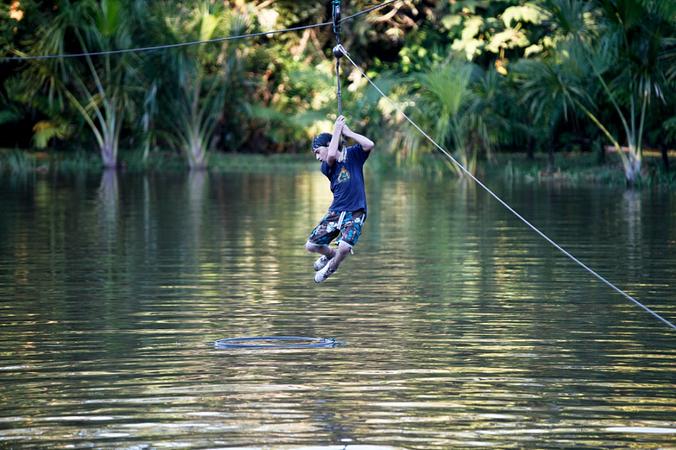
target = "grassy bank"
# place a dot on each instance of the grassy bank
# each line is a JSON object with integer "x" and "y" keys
{"x": 578, "y": 168}
{"x": 569, "y": 168}
{"x": 23, "y": 162}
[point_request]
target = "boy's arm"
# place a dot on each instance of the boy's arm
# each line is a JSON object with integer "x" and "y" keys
{"x": 332, "y": 154}
{"x": 366, "y": 143}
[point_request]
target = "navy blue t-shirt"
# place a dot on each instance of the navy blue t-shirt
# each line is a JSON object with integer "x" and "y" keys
{"x": 347, "y": 180}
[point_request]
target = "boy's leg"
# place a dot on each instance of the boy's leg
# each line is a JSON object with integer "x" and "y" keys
{"x": 321, "y": 249}
{"x": 350, "y": 233}
{"x": 322, "y": 235}
{"x": 340, "y": 254}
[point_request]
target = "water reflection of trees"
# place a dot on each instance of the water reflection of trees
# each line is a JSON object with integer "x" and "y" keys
{"x": 450, "y": 308}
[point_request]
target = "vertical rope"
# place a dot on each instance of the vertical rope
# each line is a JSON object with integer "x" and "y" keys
{"x": 335, "y": 12}
{"x": 337, "y": 53}
{"x": 339, "y": 95}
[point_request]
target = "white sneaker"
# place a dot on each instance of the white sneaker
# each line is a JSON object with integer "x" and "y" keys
{"x": 323, "y": 274}
{"x": 321, "y": 262}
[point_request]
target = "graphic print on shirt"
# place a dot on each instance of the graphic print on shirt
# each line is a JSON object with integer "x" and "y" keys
{"x": 344, "y": 175}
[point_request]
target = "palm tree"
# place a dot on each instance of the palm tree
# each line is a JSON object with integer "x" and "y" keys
{"x": 98, "y": 88}
{"x": 489, "y": 107}
{"x": 463, "y": 102}
{"x": 201, "y": 77}
{"x": 552, "y": 88}
{"x": 628, "y": 46}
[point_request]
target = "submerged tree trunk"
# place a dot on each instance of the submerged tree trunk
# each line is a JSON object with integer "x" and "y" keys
{"x": 109, "y": 152}
{"x": 196, "y": 154}
{"x": 632, "y": 167}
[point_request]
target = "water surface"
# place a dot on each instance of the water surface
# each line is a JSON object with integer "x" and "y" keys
{"x": 460, "y": 326}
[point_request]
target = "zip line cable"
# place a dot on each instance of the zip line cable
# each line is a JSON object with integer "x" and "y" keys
{"x": 163, "y": 46}
{"x": 502, "y": 202}
{"x": 186, "y": 44}
{"x": 339, "y": 51}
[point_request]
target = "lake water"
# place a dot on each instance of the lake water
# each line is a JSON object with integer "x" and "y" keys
{"x": 459, "y": 326}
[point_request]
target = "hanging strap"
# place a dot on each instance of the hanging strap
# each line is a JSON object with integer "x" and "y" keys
{"x": 336, "y": 51}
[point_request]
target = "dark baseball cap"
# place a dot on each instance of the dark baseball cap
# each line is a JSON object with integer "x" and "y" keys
{"x": 321, "y": 140}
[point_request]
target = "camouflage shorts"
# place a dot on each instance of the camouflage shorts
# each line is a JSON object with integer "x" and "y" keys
{"x": 331, "y": 227}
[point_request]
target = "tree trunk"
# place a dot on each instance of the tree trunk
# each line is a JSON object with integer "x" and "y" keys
{"x": 197, "y": 155}
{"x": 109, "y": 153}
{"x": 665, "y": 158}
{"x": 550, "y": 157}
{"x": 600, "y": 150}
{"x": 632, "y": 170}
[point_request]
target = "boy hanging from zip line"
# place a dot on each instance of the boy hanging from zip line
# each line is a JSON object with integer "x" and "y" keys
{"x": 347, "y": 213}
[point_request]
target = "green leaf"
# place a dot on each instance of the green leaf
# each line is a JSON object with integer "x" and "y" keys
{"x": 9, "y": 116}
{"x": 524, "y": 13}
{"x": 109, "y": 17}
{"x": 45, "y": 130}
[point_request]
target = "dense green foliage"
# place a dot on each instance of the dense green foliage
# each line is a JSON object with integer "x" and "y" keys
{"x": 484, "y": 77}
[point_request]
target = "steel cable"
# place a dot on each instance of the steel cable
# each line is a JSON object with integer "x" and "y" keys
{"x": 502, "y": 202}
{"x": 186, "y": 44}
